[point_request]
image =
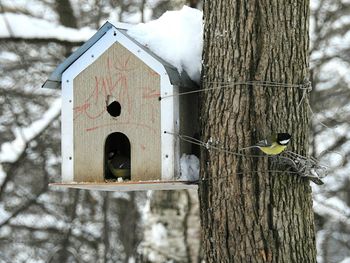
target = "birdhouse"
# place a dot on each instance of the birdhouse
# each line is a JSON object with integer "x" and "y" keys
{"x": 119, "y": 103}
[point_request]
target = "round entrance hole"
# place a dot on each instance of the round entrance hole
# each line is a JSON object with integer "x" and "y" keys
{"x": 114, "y": 108}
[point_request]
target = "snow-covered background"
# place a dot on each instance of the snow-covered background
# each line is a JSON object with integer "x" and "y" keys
{"x": 41, "y": 224}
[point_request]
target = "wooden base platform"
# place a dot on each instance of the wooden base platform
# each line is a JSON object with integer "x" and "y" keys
{"x": 130, "y": 186}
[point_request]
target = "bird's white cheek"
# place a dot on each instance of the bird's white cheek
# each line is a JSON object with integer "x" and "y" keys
{"x": 284, "y": 141}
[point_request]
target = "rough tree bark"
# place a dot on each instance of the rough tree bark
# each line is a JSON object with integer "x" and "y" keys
{"x": 254, "y": 216}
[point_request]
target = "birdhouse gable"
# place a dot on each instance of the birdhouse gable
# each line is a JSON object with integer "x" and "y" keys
{"x": 113, "y": 121}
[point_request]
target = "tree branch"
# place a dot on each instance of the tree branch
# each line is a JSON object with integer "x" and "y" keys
{"x": 36, "y": 40}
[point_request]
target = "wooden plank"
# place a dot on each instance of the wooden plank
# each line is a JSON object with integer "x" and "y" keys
{"x": 130, "y": 186}
{"x": 121, "y": 75}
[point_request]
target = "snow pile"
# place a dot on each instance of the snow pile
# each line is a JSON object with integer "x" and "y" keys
{"x": 29, "y": 27}
{"x": 159, "y": 234}
{"x": 177, "y": 37}
{"x": 189, "y": 166}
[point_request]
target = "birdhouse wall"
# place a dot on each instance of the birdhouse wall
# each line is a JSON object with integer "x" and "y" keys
{"x": 189, "y": 120}
{"x": 118, "y": 75}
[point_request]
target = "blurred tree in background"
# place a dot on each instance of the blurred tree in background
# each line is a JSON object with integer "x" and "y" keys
{"x": 42, "y": 224}
{"x": 330, "y": 101}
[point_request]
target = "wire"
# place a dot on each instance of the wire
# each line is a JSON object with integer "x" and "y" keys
{"x": 307, "y": 167}
{"x": 208, "y": 146}
{"x": 305, "y": 86}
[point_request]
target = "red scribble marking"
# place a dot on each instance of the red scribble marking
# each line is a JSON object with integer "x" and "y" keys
{"x": 123, "y": 123}
{"x": 114, "y": 83}
{"x": 80, "y": 109}
{"x": 149, "y": 93}
{"x": 152, "y": 73}
{"x": 122, "y": 63}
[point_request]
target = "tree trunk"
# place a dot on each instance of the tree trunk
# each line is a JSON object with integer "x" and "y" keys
{"x": 129, "y": 219}
{"x": 249, "y": 214}
{"x": 171, "y": 232}
{"x": 66, "y": 15}
{"x": 106, "y": 229}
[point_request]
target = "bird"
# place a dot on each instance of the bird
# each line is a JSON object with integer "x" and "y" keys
{"x": 119, "y": 165}
{"x": 274, "y": 144}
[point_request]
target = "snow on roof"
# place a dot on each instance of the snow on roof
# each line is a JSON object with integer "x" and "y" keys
{"x": 175, "y": 40}
{"x": 177, "y": 37}
{"x": 54, "y": 81}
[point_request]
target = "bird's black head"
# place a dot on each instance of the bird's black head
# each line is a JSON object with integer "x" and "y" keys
{"x": 283, "y": 138}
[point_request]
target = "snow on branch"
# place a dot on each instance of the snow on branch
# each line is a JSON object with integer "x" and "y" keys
{"x": 11, "y": 151}
{"x": 332, "y": 207}
{"x": 42, "y": 40}
{"x": 345, "y": 260}
{"x": 19, "y": 26}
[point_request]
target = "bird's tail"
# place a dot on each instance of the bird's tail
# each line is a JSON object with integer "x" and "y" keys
{"x": 249, "y": 147}
{"x": 316, "y": 180}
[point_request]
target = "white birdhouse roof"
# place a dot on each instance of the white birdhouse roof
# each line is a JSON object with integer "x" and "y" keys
{"x": 55, "y": 79}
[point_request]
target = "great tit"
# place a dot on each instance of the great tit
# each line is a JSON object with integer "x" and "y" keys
{"x": 119, "y": 165}
{"x": 274, "y": 144}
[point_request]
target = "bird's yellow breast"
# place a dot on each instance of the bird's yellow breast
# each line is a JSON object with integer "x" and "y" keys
{"x": 274, "y": 149}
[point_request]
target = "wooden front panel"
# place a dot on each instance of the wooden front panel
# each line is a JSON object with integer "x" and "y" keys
{"x": 136, "y": 87}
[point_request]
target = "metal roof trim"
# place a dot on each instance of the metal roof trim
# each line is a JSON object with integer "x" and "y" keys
{"x": 54, "y": 81}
